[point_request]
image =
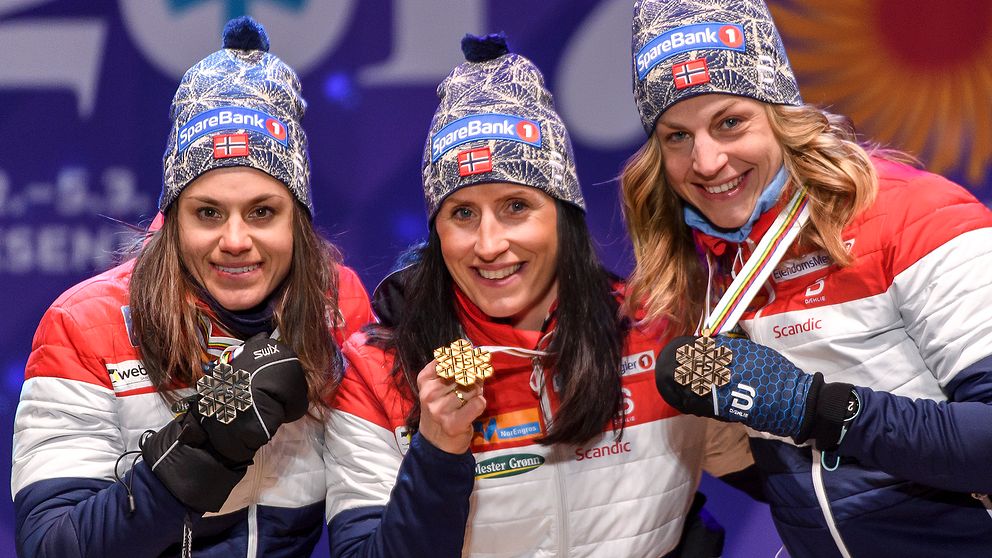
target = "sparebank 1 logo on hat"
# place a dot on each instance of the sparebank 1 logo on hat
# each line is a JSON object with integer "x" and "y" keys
{"x": 485, "y": 126}
{"x": 230, "y": 118}
{"x": 729, "y": 36}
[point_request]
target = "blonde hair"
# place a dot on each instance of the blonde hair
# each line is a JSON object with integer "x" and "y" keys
{"x": 821, "y": 153}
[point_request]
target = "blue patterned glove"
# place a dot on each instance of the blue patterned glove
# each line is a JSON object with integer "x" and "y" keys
{"x": 754, "y": 385}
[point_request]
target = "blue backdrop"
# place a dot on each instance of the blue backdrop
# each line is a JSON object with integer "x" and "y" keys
{"x": 85, "y": 89}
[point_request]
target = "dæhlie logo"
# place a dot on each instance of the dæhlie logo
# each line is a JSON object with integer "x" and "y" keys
{"x": 742, "y": 400}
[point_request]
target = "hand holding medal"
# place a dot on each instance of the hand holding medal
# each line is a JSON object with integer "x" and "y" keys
{"x": 451, "y": 395}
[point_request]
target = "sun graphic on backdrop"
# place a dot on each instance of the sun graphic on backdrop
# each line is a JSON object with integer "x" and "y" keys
{"x": 912, "y": 74}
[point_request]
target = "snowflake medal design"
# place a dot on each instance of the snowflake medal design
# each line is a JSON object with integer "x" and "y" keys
{"x": 225, "y": 393}
{"x": 463, "y": 363}
{"x": 703, "y": 364}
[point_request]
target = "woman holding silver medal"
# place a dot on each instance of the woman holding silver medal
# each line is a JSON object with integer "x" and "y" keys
{"x": 229, "y": 316}
{"x": 502, "y": 406}
{"x": 861, "y": 282}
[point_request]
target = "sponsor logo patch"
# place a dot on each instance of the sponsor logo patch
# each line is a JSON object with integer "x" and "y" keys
{"x": 727, "y": 36}
{"x": 507, "y": 465}
{"x": 126, "y": 312}
{"x": 616, "y": 448}
{"x": 515, "y": 425}
{"x": 230, "y": 118}
{"x": 128, "y": 375}
{"x": 811, "y": 324}
{"x": 636, "y": 364}
{"x": 485, "y": 126}
{"x": 230, "y": 145}
{"x": 742, "y": 400}
{"x": 811, "y": 263}
{"x": 474, "y": 161}
{"x": 403, "y": 436}
{"x": 693, "y": 72}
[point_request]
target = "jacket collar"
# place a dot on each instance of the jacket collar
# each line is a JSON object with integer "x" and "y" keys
{"x": 484, "y": 330}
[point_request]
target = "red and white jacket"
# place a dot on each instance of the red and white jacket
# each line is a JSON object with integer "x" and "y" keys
{"x": 910, "y": 323}
{"x": 86, "y": 400}
{"x": 605, "y": 498}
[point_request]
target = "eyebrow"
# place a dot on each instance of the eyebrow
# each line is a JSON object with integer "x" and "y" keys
{"x": 729, "y": 104}
{"x": 518, "y": 191}
{"x": 253, "y": 201}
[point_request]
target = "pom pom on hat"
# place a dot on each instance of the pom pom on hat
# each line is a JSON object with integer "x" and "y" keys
{"x": 239, "y": 107}
{"x": 244, "y": 33}
{"x": 480, "y": 49}
{"x": 496, "y": 122}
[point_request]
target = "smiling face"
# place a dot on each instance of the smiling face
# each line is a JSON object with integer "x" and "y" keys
{"x": 236, "y": 234}
{"x": 719, "y": 153}
{"x": 500, "y": 244}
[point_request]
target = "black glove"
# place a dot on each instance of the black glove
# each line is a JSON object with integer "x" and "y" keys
{"x": 242, "y": 404}
{"x": 765, "y": 391}
{"x": 181, "y": 457}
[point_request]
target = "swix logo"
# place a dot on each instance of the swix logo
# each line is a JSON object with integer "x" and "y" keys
{"x": 811, "y": 324}
{"x": 727, "y": 36}
{"x": 742, "y": 399}
{"x": 267, "y": 351}
{"x": 485, "y": 126}
{"x": 636, "y": 364}
{"x": 230, "y": 118}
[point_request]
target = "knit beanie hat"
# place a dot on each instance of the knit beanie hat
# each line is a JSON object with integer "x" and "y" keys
{"x": 692, "y": 47}
{"x": 238, "y": 107}
{"x": 497, "y": 123}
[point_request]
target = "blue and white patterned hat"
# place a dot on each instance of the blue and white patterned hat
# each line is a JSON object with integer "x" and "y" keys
{"x": 692, "y": 47}
{"x": 238, "y": 107}
{"x": 497, "y": 123}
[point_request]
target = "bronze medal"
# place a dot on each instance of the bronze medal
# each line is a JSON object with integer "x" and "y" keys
{"x": 224, "y": 393}
{"x": 703, "y": 364}
{"x": 463, "y": 363}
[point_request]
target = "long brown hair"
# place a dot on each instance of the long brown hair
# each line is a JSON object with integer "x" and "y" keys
{"x": 821, "y": 152}
{"x": 166, "y": 318}
{"x": 585, "y": 349}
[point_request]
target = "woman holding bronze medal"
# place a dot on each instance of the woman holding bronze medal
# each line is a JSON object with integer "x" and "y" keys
{"x": 859, "y": 288}
{"x": 502, "y": 407}
{"x": 172, "y": 404}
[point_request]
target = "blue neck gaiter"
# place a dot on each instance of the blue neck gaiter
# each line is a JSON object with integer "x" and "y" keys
{"x": 769, "y": 196}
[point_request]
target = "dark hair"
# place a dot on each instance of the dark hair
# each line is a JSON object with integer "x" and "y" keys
{"x": 585, "y": 349}
{"x": 166, "y": 318}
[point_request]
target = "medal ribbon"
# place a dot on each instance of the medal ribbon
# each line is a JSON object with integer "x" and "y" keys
{"x": 773, "y": 245}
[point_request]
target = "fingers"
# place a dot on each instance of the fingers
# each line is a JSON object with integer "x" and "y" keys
{"x": 447, "y": 410}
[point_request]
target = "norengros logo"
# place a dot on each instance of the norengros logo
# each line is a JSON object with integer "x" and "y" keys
{"x": 507, "y": 465}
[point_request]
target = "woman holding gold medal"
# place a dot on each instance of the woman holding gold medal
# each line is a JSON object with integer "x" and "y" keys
{"x": 502, "y": 407}
{"x": 862, "y": 284}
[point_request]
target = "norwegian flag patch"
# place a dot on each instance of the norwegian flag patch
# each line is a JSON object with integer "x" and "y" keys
{"x": 693, "y": 72}
{"x": 474, "y": 161}
{"x": 230, "y": 145}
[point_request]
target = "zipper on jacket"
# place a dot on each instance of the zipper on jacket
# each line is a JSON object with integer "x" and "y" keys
{"x": 539, "y": 385}
{"x": 984, "y": 499}
{"x": 256, "y": 482}
{"x": 821, "y": 497}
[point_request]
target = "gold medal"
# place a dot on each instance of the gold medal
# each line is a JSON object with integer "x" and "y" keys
{"x": 703, "y": 364}
{"x": 463, "y": 363}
